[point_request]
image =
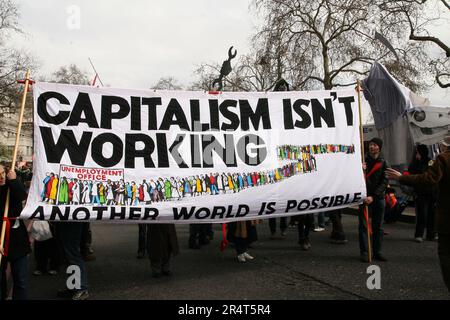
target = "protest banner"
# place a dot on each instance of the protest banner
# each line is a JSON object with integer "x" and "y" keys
{"x": 106, "y": 154}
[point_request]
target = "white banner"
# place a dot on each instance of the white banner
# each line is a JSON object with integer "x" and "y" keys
{"x": 107, "y": 154}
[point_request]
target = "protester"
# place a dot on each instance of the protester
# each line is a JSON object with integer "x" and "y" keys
{"x": 46, "y": 250}
{"x": 70, "y": 235}
{"x": 86, "y": 243}
{"x": 376, "y": 184}
{"x": 337, "y": 232}
{"x": 198, "y": 235}
{"x": 242, "y": 234}
{"x": 273, "y": 227}
{"x": 19, "y": 246}
{"x": 142, "y": 240}
{"x": 437, "y": 173}
{"x": 320, "y": 222}
{"x": 425, "y": 196}
{"x": 162, "y": 244}
{"x": 305, "y": 223}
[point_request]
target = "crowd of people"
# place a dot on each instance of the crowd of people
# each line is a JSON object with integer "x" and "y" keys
{"x": 68, "y": 242}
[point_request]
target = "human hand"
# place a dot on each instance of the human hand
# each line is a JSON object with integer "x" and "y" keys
{"x": 392, "y": 174}
{"x": 364, "y": 166}
{"x": 11, "y": 175}
{"x": 368, "y": 200}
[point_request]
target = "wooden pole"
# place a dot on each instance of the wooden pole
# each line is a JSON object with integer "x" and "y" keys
{"x": 361, "y": 135}
{"x": 13, "y": 164}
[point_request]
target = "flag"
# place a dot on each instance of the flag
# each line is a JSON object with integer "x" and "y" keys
{"x": 95, "y": 79}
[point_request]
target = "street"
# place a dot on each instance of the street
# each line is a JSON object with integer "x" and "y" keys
{"x": 280, "y": 270}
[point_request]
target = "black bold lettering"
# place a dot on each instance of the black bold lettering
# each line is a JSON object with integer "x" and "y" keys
{"x": 56, "y": 212}
{"x": 303, "y": 202}
{"x": 339, "y": 200}
{"x": 83, "y": 210}
{"x": 306, "y": 119}
{"x": 244, "y": 208}
{"x": 183, "y": 213}
{"x": 287, "y": 114}
{"x": 232, "y": 117}
{"x": 261, "y": 114}
{"x": 218, "y": 211}
{"x": 99, "y": 211}
{"x": 174, "y": 109}
{"x": 39, "y": 211}
{"x": 163, "y": 156}
{"x": 135, "y": 113}
{"x": 83, "y": 105}
{"x": 151, "y": 213}
{"x": 214, "y": 115}
{"x": 133, "y": 215}
{"x": 120, "y": 215}
{"x": 314, "y": 203}
{"x": 66, "y": 141}
{"x": 152, "y": 103}
{"x": 347, "y": 101}
{"x": 131, "y": 153}
{"x": 42, "y": 111}
{"x": 291, "y": 205}
{"x": 199, "y": 215}
{"x": 319, "y": 112}
{"x": 323, "y": 202}
{"x": 107, "y": 114}
{"x": 97, "y": 149}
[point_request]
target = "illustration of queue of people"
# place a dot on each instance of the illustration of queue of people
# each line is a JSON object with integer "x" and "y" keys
{"x": 289, "y": 152}
{"x": 74, "y": 191}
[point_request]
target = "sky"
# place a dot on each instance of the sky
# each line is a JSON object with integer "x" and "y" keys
{"x": 132, "y": 46}
{"x": 134, "y": 43}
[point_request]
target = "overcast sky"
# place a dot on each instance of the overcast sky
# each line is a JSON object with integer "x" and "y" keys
{"x": 134, "y": 43}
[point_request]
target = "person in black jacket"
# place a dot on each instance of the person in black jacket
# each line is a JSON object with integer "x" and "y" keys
{"x": 376, "y": 184}
{"x": 425, "y": 196}
{"x": 19, "y": 245}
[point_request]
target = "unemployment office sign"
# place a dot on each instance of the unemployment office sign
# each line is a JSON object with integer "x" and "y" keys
{"x": 170, "y": 156}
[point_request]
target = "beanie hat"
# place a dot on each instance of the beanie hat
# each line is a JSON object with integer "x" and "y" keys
{"x": 378, "y": 142}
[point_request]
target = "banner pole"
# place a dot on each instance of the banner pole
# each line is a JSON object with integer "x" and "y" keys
{"x": 13, "y": 164}
{"x": 361, "y": 135}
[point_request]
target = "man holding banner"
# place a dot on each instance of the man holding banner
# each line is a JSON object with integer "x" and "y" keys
{"x": 376, "y": 186}
{"x": 17, "y": 245}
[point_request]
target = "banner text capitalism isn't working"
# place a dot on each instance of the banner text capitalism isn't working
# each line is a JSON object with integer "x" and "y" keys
{"x": 295, "y": 116}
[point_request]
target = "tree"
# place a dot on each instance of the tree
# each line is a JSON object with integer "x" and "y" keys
{"x": 328, "y": 43}
{"x": 13, "y": 63}
{"x": 417, "y": 16}
{"x": 167, "y": 83}
{"x": 70, "y": 74}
